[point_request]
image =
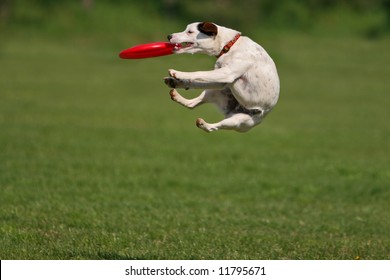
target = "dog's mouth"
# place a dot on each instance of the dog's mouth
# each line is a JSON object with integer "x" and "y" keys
{"x": 184, "y": 45}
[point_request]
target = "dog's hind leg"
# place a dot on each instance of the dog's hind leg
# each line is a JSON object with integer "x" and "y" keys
{"x": 238, "y": 122}
{"x": 207, "y": 96}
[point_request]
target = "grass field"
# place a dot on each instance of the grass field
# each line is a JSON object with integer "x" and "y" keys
{"x": 96, "y": 161}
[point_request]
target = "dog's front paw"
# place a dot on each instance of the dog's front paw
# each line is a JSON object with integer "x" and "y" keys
{"x": 170, "y": 82}
{"x": 176, "y": 83}
{"x": 172, "y": 73}
{"x": 177, "y": 74}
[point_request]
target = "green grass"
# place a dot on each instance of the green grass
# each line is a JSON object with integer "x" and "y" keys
{"x": 96, "y": 161}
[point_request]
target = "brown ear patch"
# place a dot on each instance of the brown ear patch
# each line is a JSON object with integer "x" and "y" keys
{"x": 208, "y": 28}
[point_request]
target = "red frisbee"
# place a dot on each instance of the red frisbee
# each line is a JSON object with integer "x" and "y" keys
{"x": 148, "y": 50}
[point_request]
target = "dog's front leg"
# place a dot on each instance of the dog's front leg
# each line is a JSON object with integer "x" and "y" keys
{"x": 176, "y": 83}
{"x": 221, "y": 75}
{"x": 187, "y": 84}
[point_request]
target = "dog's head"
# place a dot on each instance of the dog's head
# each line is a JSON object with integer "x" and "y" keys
{"x": 201, "y": 37}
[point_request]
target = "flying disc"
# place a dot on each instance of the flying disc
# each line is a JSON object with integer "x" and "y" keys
{"x": 148, "y": 50}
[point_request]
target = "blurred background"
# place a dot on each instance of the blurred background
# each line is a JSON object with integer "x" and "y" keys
{"x": 112, "y": 20}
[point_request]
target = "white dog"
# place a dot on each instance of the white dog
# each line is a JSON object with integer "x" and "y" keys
{"x": 244, "y": 83}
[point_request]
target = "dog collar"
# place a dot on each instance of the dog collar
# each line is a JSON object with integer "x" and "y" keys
{"x": 230, "y": 44}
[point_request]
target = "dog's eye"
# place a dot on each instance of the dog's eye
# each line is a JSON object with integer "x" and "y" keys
{"x": 190, "y": 32}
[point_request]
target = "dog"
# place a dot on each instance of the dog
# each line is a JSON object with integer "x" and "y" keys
{"x": 244, "y": 84}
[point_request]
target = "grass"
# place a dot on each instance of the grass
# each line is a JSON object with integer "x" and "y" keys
{"x": 96, "y": 162}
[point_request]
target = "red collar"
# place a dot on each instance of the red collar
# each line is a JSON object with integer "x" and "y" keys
{"x": 230, "y": 44}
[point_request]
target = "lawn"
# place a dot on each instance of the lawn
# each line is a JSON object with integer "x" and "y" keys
{"x": 96, "y": 161}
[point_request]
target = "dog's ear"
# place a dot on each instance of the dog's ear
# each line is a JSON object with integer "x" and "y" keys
{"x": 208, "y": 28}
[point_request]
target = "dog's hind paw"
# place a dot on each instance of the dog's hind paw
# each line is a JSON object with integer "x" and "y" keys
{"x": 204, "y": 125}
{"x": 199, "y": 122}
{"x": 173, "y": 93}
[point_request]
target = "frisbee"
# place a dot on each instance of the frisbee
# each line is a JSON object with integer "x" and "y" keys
{"x": 148, "y": 50}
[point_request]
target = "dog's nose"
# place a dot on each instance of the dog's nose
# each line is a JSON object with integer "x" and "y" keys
{"x": 169, "y": 37}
